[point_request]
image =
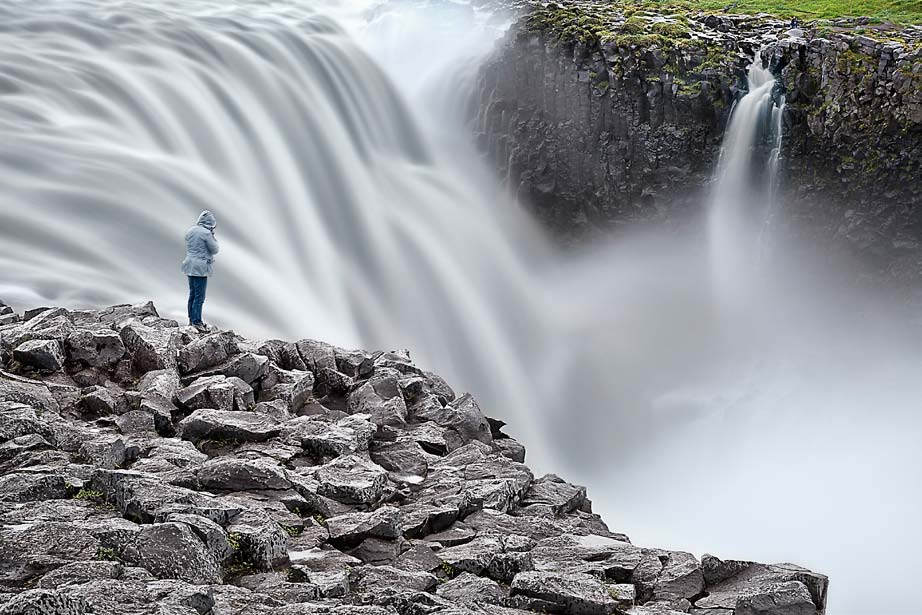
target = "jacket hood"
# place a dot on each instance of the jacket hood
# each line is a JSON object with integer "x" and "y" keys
{"x": 207, "y": 219}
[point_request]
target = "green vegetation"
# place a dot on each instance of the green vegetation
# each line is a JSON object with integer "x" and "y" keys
{"x": 106, "y": 554}
{"x": 88, "y": 494}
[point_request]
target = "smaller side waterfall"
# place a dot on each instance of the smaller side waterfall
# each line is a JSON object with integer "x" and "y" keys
{"x": 744, "y": 195}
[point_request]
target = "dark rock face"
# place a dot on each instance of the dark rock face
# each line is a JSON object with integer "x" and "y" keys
{"x": 598, "y": 119}
{"x": 141, "y": 495}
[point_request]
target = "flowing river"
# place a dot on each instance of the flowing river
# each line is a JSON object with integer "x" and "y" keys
{"x": 708, "y": 397}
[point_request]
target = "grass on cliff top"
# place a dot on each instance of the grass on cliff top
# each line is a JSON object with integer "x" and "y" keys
{"x": 897, "y": 11}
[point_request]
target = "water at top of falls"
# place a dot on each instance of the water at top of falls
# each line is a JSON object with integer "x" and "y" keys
{"x": 352, "y": 209}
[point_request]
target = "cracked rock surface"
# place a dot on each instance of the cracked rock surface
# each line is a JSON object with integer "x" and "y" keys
{"x": 149, "y": 469}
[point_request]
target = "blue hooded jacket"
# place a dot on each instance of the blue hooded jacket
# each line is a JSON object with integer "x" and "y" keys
{"x": 201, "y": 246}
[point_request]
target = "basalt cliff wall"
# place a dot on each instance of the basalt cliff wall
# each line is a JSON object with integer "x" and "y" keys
{"x": 601, "y": 116}
{"x": 150, "y": 469}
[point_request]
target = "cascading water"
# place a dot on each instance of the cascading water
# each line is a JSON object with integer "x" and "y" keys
{"x": 351, "y": 209}
{"x": 744, "y": 195}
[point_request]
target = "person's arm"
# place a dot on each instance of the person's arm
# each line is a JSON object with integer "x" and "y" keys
{"x": 212, "y": 243}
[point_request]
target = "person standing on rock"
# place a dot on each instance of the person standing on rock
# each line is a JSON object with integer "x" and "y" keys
{"x": 201, "y": 247}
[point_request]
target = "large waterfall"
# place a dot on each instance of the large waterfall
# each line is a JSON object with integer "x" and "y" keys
{"x": 351, "y": 208}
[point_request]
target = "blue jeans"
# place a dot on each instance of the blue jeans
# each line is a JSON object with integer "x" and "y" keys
{"x": 197, "y": 286}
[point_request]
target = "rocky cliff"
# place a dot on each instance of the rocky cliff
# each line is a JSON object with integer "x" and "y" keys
{"x": 146, "y": 468}
{"x": 603, "y": 113}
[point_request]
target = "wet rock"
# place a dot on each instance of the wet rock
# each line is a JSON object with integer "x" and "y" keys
{"x": 174, "y": 551}
{"x": 578, "y": 594}
{"x": 47, "y": 355}
{"x": 227, "y": 425}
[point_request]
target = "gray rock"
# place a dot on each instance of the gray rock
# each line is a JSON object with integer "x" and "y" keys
{"x": 258, "y": 542}
{"x": 248, "y": 367}
{"x": 44, "y": 602}
{"x": 347, "y": 436}
{"x": 32, "y": 548}
{"x": 215, "y": 392}
{"x": 467, "y": 588}
{"x": 553, "y": 491}
{"x": 574, "y": 593}
{"x": 227, "y": 425}
{"x": 47, "y": 355}
{"x": 140, "y": 496}
{"x": 354, "y": 527}
{"x": 351, "y": 479}
{"x": 597, "y": 555}
{"x": 78, "y": 573}
{"x": 241, "y": 475}
{"x": 473, "y": 557}
{"x": 381, "y": 579}
{"x": 791, "y": 598}
{"x": 101, "y": 348}
{"x": 208, "y": 351}
{"x": 463, "y": 422}
{"x": 150, "y": 348}
{"x": 316, "y": 355}
{"x": 510, "y": 448}
{"x": 99, "y": 401}
{"x": 32, "y": 486}
{"x": 381, "y": 398}
{"x": 681, "y": 577}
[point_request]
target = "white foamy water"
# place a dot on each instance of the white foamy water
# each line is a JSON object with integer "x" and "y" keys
{"x": 777, "y": 422}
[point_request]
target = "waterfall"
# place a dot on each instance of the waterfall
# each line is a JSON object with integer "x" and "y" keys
{"x": 743, "y": 198}
{"x": 351, "y": 208}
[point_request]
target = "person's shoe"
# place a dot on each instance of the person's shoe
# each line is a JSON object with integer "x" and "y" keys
{"x": 202, "y": 327}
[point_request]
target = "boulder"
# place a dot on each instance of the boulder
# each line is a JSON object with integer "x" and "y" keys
{"x": 379, "y": 580}
{"x": 46, "y": 355}
{"x": 352, "y": 480}
{"x": 227, "y": 425}
{"x": 791, "y": 598}
{"x": 174, "y": 551}
{"x": 101, "y": 348}
{"x": 241, "y": 475}
{"x": 215, "y": 392}
{"x": 248, "y": 367}
{"x": 150, "y": 348}
{"x": 574, "y": 593}
{"x": 32, "y": 486}
{"x": 354, "y": 527}
{"x": 347, "y": 436}
{"x": 258, "y": 541}
{"x": 559, "y": 495}
{"x": 463, "y": 422}
{"x": 316, "y": 355}
{"x": 208, "y": 351}
{"x": 381, "y": 398}
{"x": 45, "y": 602}
{"x": 467, "y": 588}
